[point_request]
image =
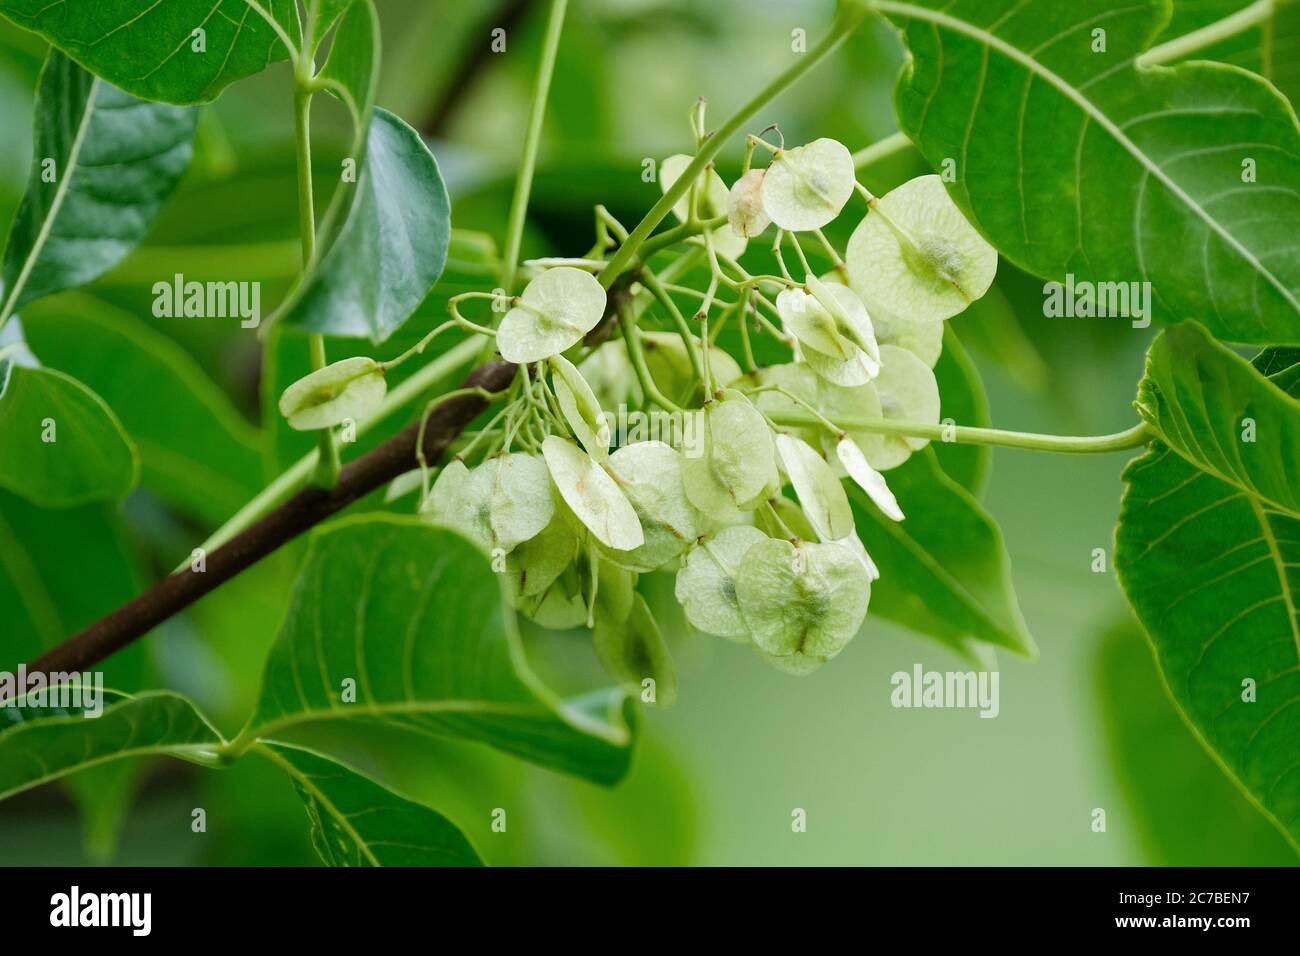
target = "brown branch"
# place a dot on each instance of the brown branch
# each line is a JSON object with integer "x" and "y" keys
{"x": 304, "y": 510}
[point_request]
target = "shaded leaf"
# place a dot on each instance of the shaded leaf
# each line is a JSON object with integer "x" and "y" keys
{"x": 1186, "y": 812}
{"x": 357, "y": 822}
{"x": 1208, "y": 554}
{"x": 149, "y": 51}
{"x": 42, "y": 743}
{"x": 389, "y": 241}
{"x": 944, "y": 572}
{"x": 414, "y": 615}
{"x": 60, "y": 445}
{"x": 103, "y": 163}
{"x": 1137, "y": 172}
{"x": 196, "y": 451}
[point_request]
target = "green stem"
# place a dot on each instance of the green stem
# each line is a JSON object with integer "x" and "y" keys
{"x": 874, "y": 153}
{"x": 532, "y": 138}
{"x": 327, "y": 467}
{"x": 670, "y": 237}
{"x": 1180, "y": 47}
{"x": 1133, "y": 437}
{"x": 637, "y": 358}
{"x": 845, "y": 23}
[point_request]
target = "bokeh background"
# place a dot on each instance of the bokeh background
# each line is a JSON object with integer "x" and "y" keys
{"x": 1086, "y": 726}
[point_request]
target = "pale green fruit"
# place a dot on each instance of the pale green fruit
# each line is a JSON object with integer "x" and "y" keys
{"x": 832, "y": 325}
{"x": 580, "y": 407}
{"x": 802, "y": 599}
{"x": 745, "y": 205}
{"x": 592, "y": 495}
{"x": 560, "y": 606}
{"x": 559, "y": 307}
{"x": 792, "y": 518}
{"x": 849, "y": 314}
{"x": 456, "y": 502}
{"x": 867, "y": 478}
{"x": 534, "y": 565}
{"x": 842, "y": 405}
{"x": 501, "y": 503}
{"x": 650, "y": 475}
{"x": 820, "y": 493}
{"x": 922, "y": 337}
{"x": 797, "y": 378}
{"x": 908, "y": 392}
{"x": 712, "y": 202}
{"x": 519, "y": 497}
{"x": 807, "y": 186}
{"x": 738, "y": 462}
{"x": 847, "y": 373}
{"x": 633, "y": 652}
{"x": 669, "y": 365}
{"x": 615, "y": 592}
{"x": 706, "y": 583}
{"x": 348, "y": 389}
{"x": 800, "y": 665}
{"x": 915, "y": 255}
{"x": 805, "y": 319}
{"x": 854, "y": 544}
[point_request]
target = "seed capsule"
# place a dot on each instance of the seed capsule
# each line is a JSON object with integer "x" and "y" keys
{"x": 555, "y": 310}
{"x": 344, "y": 390}
{"x": 807, "y": 186}
{"x": 592, "y": 495}
{"x": 745, "y": 205}
{"x": 738, "y": 460}
{"x": 917, "y": 257}
{"x": 820, "y": 493}
{"x": 706, "y": 583}
{"x": 649, "y": 474}
{"x": 802, "y": 600}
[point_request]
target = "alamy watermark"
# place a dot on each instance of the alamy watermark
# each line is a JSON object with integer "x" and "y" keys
{"x": 182, "y": 299}
{"x": 1084, "y": 299}
{"x": 70, "y": 690}
{"x": 946, "y": 689}
{"x": 684, "y": 431}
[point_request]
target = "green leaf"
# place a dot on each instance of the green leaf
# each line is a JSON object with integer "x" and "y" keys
{"x": 1270, "y": 47}
{"x": 1186, "y": 812}
{"x": 327, "y": 14}
{"x": 197, "y": 452}
{"x": 351, "y": 73}
{"x": 149, "y": 49}
{"x": 390, "y": 246}
{"x": 944, "y": 571}
{"x": 1208, "y": 554}
{"x": 60, "y": 445}
{"x": 1133, "y": 174}
{"x": 46, "y": 597}
{"x": 356, "y": 822}
{"x": 103, "y": 163}
{"x": 961, "y": 392}
{"x": 471, "y": 264}
{"x": 1219, "y": 413}
{"x": 43, "y": 743}
{"x": 413, "y": 615}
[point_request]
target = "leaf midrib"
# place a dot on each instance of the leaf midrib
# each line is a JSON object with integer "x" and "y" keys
{"x": 1288, "y": 599}
{"x": 980, "y": 35}
{"x": 43, "y": 236}
{"x": 319, "y": 796}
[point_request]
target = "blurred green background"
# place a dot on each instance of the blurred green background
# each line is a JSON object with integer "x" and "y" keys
{"x": 717, "y": 777}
